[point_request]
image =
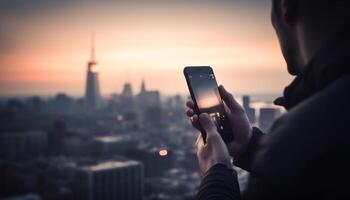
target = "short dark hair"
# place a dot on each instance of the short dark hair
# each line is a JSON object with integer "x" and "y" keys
{"x": 324, "y": 11}
{"x": 324, "y": 7}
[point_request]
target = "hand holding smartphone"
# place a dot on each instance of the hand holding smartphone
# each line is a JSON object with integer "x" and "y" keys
{"x": 206, "y": 98}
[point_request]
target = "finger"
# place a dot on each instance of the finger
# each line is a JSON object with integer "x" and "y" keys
{"x": 190, "y": 113}
{"x": 227, "y": 109}
{"x": 208, "y": 126}
{"x": 194, "y": 121}
{"x": 199, "y": 142}
{"x": 229, "y": 114}
{"x": 194, "y": 118}
{"x": 190, "y": 104}
{"x": 230, "y": 101}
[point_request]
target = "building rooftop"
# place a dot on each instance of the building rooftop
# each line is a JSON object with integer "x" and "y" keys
{"x": 23, "y": 133}
{"x": 109, "y": 139}
{"x": 110, "y": 165}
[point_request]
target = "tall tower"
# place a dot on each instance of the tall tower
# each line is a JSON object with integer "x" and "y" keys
{"x": 143, "y": 86}
{"x": 92, "y": 90}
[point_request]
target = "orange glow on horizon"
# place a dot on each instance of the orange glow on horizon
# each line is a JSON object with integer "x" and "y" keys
{"x": 49, "y": 54}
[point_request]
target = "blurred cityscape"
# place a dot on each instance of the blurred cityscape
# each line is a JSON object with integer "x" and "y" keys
{"x": 128, "y": 146}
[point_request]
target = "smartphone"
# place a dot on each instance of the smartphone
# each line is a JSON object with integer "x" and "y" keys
{"x": 206, "y": 98}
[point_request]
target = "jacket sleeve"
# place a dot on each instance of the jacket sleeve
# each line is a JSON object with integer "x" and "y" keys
{"x": 219, "y": 183}
{"x": 245, "y": 160}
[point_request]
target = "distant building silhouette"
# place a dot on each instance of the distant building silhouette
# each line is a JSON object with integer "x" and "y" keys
{"x": 62, "y": 103}
{"x": 35, "y": 104}
{"x": 111, "y": 145}
{"x": 154, "y": 164}
{"x": 148, "y": 98}
{"x": 250, "y": 111}
{"x": 92, "y": 90}
{"x": 56, "y": 137}
{"x": 76, "y": 146}
{"x": 112, "y": 180}
{"x": 126, "y": 99}
{"x": 30, "y": 196}
{"x": 246, "y": 101}
{"x": 267, "y": 117}
{"x": 149, "y": 104}
{"x": 175, "y": 102}
{"x": 26, "y": 145}
{"x": 127, "y": 90}
{"x": 143, "y": 86}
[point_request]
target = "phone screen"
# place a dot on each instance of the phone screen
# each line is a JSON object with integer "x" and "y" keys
{"x": 206, "y": 95}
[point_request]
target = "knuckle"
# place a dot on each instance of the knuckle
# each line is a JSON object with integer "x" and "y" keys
{"x": 213, "y": 137}
{"x": 194, "y": 123}
{"x": 210, "y": 129}
{"x": 231, "y": 97}
{"x": 239, "y": 110}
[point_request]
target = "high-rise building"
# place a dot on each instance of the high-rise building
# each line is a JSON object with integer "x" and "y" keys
{"x": 267, "y": 117}
{"x": 246, "y": 101}
{"x": 127, "y": 90}
{"x": 149, "y": 104}
{"x": 92, "y": 90}
{"x": 23, "y": 145}
{"x": 111, "y": 145}
{"x": 143, "y": 86}
{"x": 156, "y": 161}
{"x": 250, "y": 111}
{"x": 175, "y": 102}
{"x": 110, "y": 180}
{"x": 126, "y": 100}
{"x": 148, "y": 98}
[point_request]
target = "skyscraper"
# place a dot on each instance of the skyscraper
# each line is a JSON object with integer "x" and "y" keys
{"x": 23, "y": 145}
{"x": 148, "y": 98}
{"x": 267, "y": 117}
{"x": 148, "y": 102}
{"x": 143, "y": 86}
{"x": 127, "y": 90}
{"x": 126, "y": 100}
{"x": 249, "y": 110}
{"x": 110, "y": 180}
{"x": 246, "y": 101}
{"x": 92, "y": 90}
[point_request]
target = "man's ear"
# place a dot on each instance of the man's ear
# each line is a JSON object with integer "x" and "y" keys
{"x": 286, "y": 10}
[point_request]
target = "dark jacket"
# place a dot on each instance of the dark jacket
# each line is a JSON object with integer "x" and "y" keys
{"x": 306, "y": 154}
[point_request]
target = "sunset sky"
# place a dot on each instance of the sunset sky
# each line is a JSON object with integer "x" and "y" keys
{"x": 45, "y": 45}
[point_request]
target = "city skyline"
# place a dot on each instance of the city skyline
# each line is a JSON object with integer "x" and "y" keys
{"x": 46, "y": 54}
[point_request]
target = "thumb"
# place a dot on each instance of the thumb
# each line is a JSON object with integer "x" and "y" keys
{"x": 208, "y": 125}
{"x": 229, "y": 100}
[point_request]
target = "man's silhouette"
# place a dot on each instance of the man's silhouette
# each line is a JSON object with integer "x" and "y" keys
{"x": 306, "y": 154}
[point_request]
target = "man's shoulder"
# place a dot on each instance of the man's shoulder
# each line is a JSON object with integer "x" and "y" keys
{"x": 327, "y": 111}
{"x": 309, "y": 132}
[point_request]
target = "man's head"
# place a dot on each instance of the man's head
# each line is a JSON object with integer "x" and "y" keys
{"x": 303, "y": 26}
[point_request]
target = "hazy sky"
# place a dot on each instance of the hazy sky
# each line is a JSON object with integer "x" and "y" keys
{"x": 45, "y": 45}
